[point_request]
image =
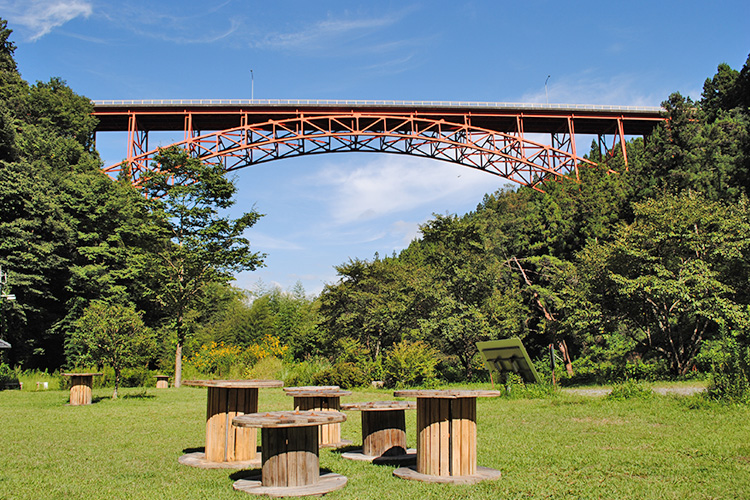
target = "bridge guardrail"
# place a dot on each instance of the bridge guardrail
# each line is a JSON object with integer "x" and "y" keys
{"x": 385, "y": 103}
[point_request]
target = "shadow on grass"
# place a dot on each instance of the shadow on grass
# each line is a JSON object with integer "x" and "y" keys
{"x": 254, "y": 474}
{"x": 139, "y": 395}
{"x": 345, "y": 449}
{"x": 194, "y": 450}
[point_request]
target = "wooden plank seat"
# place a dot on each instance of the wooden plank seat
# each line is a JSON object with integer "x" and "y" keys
{"x": 289, "y": 447}
{"x": 383, "y": 431}
{"x": 322, "y": 398}
{"x": 446, "y": 437}
{"x": 228, "y": 446}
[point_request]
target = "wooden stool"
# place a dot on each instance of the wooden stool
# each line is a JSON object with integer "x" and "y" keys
{"x": 322, "y": 398}
{"x": 447, "y": 437}
{"x": 383, "y": 431}
{"x": 80, "y": 389}
{"x": 227, "y": 446}
{"x": 162, "y": 381}
{"x": 289, "y": 446}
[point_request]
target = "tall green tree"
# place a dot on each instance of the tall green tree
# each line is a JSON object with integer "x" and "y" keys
{"x": 198, "y": 246}
{"x": 673, "y": 275}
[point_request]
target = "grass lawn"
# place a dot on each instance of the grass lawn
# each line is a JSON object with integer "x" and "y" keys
{"x": 567, "y": 446}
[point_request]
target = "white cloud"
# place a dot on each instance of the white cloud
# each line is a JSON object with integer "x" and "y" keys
{"x": 42, "y": 16}
{"x": 618, "y": 90}
{"x": 395, "y": 184}
{"x": 264, "y": 242}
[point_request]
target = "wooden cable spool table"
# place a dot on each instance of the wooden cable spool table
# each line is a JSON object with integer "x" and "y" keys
{"x": 228, "y": 446}
{"x": 80, "y": 389}
{"x": 162, "y": 381}
{"x": 447, "y": 437}
{"x": 289, "y": 446}
{"x": 322, "y": 398}
{"x": 383, "y": 431}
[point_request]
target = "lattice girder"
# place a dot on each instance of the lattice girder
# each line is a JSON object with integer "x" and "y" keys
{"x": 508, "y": 155}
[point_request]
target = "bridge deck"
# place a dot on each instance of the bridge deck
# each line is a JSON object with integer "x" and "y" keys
{"x": 212, "y": 115}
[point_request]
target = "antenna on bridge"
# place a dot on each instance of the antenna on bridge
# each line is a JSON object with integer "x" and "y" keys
{"x": 545, "y": 89}
{"x": 252, "y": 85}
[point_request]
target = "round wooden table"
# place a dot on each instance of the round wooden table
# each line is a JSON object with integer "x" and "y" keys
{"x": 228, "y": 446}
{"x": 289, "y": 446}
{"x": 383, "y": 431}
{"x": 80, "y": 389}
{"x": 162, "y": 381}
{"x": 322, "y": 398}
{"x": 447, "y": 437}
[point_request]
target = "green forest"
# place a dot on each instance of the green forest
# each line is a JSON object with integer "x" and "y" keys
{"x": 635, "y": 272}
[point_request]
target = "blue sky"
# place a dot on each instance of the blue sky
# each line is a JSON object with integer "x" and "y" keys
{"x": 323, "y": 210}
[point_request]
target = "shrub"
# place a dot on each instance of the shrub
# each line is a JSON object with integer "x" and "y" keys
{"x": 216, "y": 358}
{"x": 266, "y": 368}
{"x": 303, "y": 372}
{"x": 344, "y": 374}
{"x": 269, "y": 346}
{"x": 730, "y": 380}
{"x": 630, "y": 389}
{"x": 8, "y": 377}
{"x": 409, "y": 364}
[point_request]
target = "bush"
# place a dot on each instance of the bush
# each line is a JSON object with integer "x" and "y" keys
{"x": 516, "y": 388}
{"x": 344, "y": 374}
{"x": 587, "y": 371}
{"x": 267, "y": 368}
{"x": 303, "y": 372}
{"x": 8, "y": 377}
{"x": 409, "y": 364}
{"x": 630, "y": 389}
{"x": 730, "y": 380}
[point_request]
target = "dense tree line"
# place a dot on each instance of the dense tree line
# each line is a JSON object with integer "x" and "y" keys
{"x": 638, "y": 269}
{"x": 71, "y": 237}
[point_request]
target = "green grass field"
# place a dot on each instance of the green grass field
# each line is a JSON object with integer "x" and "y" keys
{"x": 567, "y": 446}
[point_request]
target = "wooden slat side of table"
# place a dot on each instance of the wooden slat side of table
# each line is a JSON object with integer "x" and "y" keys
{"x": 224, "y": 442}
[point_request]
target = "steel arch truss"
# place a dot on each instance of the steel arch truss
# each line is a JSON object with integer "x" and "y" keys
{"x": 508, "y": 155}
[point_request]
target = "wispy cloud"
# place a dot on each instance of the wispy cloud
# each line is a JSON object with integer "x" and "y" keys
{"x": 325, "y": 33}
{"x": 40, "y": 17}
{"x": 622, "y": 89}
{"x": 264, "y": 242}
{"x": 205, "y": 24}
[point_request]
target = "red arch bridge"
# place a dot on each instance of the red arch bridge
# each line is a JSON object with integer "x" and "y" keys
{"x": 524, "y": 143}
